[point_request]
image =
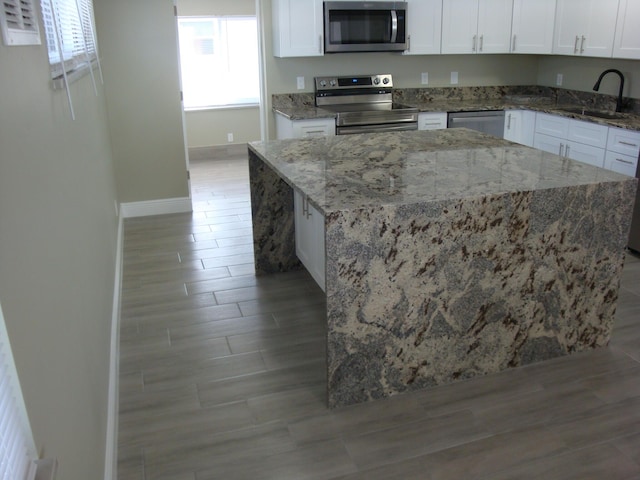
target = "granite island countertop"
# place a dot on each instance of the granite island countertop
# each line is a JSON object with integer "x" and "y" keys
{"x": 447, "y": 254}
{"x": 397, "y": 168}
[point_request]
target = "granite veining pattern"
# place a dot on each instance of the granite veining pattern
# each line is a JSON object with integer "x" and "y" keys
{"x": 451, "y": 254}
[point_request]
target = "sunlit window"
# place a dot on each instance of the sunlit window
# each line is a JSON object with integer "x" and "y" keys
{"x": 219, "y": 61}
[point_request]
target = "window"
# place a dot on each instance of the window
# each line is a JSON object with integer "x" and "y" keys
{"x": 17, "y": 450}
{"x": 70, "y": 35}
{"x": 19, "y": 23}
{"x": 219, "y": 61}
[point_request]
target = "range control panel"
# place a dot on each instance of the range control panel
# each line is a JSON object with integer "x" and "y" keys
{"x": 361, "y": 81}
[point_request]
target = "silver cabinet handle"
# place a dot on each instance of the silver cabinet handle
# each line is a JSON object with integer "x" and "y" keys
{"x": 582, "y": 44}
{"x": 628, "y": 144}
{"x": 575, "y": 46}
{"x": 475, "y": 42}
{"x": 408, "y": 43}
{"x": 561, "y": 150}
{"x": 394, "y": 26}
{"x": 513, "y": 47}
{"x": 566, "y": 151}
{"x": 628, "y": 162}
{"x": 481, "y": 42}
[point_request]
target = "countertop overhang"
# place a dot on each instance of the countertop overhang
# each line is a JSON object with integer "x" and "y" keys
{"x": 349, "y": 172}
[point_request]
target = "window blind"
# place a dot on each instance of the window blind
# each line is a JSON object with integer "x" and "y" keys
{"x": 70, "y": 34}
{"x": 19, "y": 23}
{"x": 17, "y": 449}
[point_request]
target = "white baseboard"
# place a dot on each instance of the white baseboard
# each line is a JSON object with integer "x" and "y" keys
{"x": 155, "y": 207}
{"x": 111, "y": 453}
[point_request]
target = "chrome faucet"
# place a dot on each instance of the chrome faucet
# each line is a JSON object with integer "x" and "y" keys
{"x": 596, "y": 87}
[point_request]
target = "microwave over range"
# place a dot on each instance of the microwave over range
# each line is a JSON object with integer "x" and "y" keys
{"x": 365, "y": 26}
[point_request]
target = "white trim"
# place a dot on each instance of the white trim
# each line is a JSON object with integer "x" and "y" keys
{"x": 111, "y": 453}
{"x": 162, "y": 206}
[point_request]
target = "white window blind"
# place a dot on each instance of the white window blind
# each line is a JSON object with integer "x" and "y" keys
{"x": 219, "y": 61}
{"x": 17, "y": 449}
{"x": 70, "y": 34}
{"x": 19, "y": 23}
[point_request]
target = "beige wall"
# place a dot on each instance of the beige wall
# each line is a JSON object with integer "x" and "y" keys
{"x": 210, "y": 127}
{"x": 581, "y": 74}
{"x": 137, "y": 42}
{"x": 58, "y": 232}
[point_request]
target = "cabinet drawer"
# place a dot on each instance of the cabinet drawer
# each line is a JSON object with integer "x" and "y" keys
{"x": 585, "y": 153}
{"x": 625, "y": 164}
{"x": 432, "y": 121}
{"x": 624, "y": 141}
{"x": 588, "y": 133}
{"x": 313, "y": 128}
{"x": 552, "y": 125}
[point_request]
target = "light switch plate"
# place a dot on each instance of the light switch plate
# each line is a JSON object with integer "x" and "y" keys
{"x": 424, "y": 78}
{"x": 300, "y": 81}
{"x": 454, "y": 78}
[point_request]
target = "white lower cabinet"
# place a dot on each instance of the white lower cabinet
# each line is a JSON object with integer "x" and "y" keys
{"x": 309, "y": 237}
{"x": 623, "y": 147}
{"x": 575, "y": 139}
{"x": 319, "y": 127}
{"x": 519, "y": 126}
{"x": 618, "y": 162}
{"x": 432, "y": 120}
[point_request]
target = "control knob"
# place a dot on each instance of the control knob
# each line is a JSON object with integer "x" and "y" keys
{"x": 385, "y": 80}
{"x": 376, "y": 80}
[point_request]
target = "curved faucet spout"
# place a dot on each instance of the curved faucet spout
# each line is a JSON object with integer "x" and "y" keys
{"x": 596, "y": 87}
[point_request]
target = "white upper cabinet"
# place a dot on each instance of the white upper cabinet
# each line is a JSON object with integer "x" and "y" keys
{"x": 476, "y": 26}
{"x": 532, "y": 26}
{"x": 627, "y": 41}
{"x": 297, "y": 28}
{"x": 424, "y": 28}
{"x": 585, "y": 27}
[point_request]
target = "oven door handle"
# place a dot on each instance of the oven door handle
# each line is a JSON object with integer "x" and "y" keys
{"x": 377, "y": 128}
{"x": 394, "y": 26}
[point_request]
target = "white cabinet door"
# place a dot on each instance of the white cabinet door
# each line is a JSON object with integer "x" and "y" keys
{"x": 625, "y": 164}
{"x": 459, "y": 26}
{"x": 549, "y": 144}
{"x": 494, "y": 26}
{"x": 585, "y": 153}
{"x": 553, "y": 125}
{"x": 627, "y": 40}
{"x": 297, "y": 28}
{"x": 626, "y": 142}
{"x": 319, "y": 127}
{"x": 532, "y": 26}
{"x": 588, "y": 133}
{"x": 432, "y": 120}
{"x": 476, "y": 26}
{"x": 585, "y": 27}
{"x": 424, "y": 28}
{"x": 519, "y": 126}
{"x": 309, "y": 236}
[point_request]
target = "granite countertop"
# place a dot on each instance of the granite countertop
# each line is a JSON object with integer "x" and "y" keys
{"x": 417, "y": 167}
{"x": 627, "y": 121}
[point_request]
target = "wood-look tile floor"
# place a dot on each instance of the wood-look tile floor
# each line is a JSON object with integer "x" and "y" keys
{"x": 222, "y": 376}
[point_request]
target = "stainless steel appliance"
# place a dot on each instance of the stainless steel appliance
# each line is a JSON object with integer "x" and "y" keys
{"x": 364, "y": 104}
{"x": 491, "y": 122}
{"x": 365, "y": 26}
{"x": 634, "y": 234}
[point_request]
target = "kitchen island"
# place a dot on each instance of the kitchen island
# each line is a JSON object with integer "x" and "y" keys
{"x": 449, "y": 254}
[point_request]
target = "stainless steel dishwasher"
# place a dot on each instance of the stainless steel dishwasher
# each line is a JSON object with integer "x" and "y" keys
{"x": 489, "y": 121}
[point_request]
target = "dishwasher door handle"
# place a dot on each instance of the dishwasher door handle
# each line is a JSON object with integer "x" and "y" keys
{"x": 487, "y": 118}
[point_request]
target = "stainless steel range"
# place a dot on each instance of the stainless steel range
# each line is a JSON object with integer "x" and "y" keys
{"x": 364, "y": 104}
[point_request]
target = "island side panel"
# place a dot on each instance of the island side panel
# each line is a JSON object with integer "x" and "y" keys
{"x": 425, "y": 295}
{"x": 272, "y": 220}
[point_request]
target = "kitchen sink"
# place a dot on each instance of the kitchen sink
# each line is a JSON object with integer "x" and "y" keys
{"x": 592, "y": 113}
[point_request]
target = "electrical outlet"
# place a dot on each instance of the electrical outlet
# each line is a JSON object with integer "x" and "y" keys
{"x": 454, "y": 78}
{"x": 424, "y": 78}
{"x": 229, "y": 137}
{"x": 300, "y": 81}
{"x": 559, "y": 79}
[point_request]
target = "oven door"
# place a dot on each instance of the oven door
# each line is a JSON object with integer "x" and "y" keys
{"x": 383, "y": 127}
{"x": 364, "y": 26}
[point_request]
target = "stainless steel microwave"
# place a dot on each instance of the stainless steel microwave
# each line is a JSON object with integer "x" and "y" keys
{"x": 365, "y": 26}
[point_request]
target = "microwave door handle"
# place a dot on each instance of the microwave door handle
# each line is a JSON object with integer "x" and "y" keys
{"x": 394, "y": 26}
